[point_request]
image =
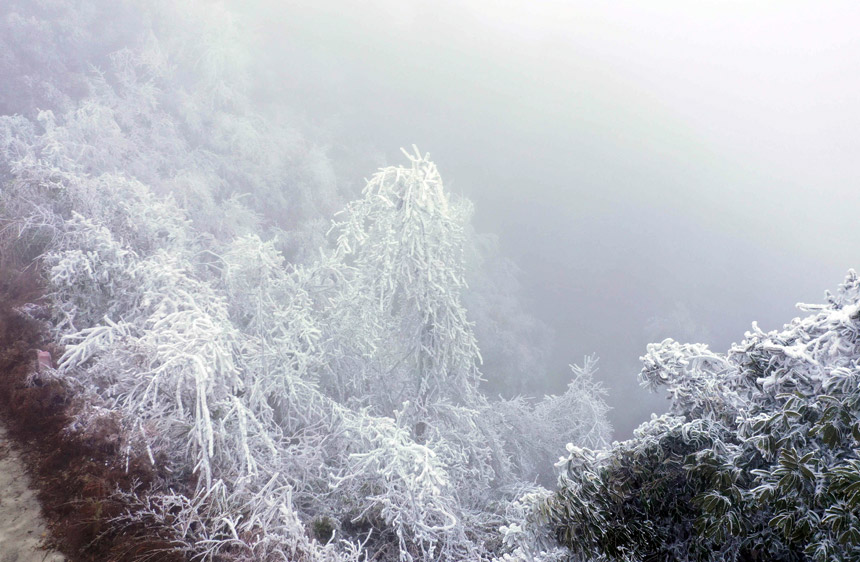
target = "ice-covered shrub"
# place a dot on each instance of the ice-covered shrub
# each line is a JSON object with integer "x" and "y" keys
{"x": 535, "y": 433}
{"x": 758, "y": 461}
{"x": 341, "y": 394}
{"x": 225, "y": 363}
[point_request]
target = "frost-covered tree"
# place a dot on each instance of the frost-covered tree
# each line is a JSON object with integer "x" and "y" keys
{"x": 403, "y": 241}
{"x": 535, "y": 432}
{"x": 399, "y": 339}
{"x": 157, "y": 92}
{"x": 758, "y": 459}
{"x": 306, "y": 402}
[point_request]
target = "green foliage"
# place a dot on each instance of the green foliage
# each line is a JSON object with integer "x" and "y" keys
{"x": 323, "y": 529}
{"x": 759, "y": 460}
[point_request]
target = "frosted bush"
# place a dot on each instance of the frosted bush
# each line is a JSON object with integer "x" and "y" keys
{"x": 324, "y": 411}
{"x": 261, "y": 379}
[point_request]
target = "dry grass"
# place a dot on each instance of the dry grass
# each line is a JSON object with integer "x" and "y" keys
{"x": 77, "y": 473}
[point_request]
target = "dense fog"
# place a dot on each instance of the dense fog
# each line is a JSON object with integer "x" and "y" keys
{"x": 493, "y": 282}
{"x": 670, "y": 170}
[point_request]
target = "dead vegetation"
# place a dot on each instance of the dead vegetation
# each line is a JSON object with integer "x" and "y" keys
{"x": 86, "y": 485}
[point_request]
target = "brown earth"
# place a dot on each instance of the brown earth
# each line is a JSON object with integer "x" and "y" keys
{"x": 76, "y": 473}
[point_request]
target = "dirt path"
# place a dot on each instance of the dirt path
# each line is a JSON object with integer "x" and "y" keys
{"x": 22, "y": 529}
{"x": 76, "y": 472}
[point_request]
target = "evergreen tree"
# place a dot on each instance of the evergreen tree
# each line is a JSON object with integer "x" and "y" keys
{"x": 758, "y": 459}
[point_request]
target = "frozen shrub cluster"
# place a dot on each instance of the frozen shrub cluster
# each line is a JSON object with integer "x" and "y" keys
{"x": 270, "y": 383}
{"x": 758, "y": 459}
{"x": 308, "y": 394}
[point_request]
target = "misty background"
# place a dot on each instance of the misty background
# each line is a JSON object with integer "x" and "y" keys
{"x": 295, "y": 381}
{"x": 671, "y": 170}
